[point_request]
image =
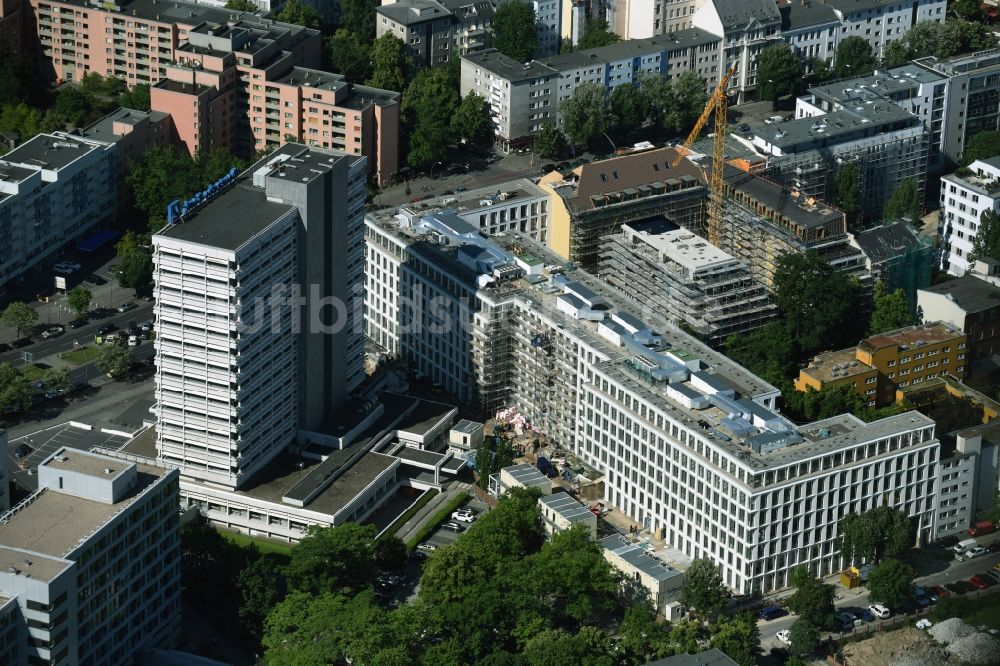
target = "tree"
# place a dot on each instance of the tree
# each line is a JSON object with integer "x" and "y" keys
{"x": 358, "y": 18}
{"x": 891, "y": 311}
{"x": 685, "y": 635}
{"x": 596, "y": 34}
{"x": 298, "y": 13}
{"x": 514, "y": 32}
{"x": 137, "y": 98}
{"x": 15, "y": 389}
{"x": 847, "y": 190}
{"x": 987, "y": 240}
{"x": 804, "y": 638}
{"x": 981, "y": 146}
{"x": 738, "y": 637}
{"x": 704, "y": 588}
{"x": 779, "y": 71}
{"x": 686, "y": 102}
{"x": 550, "y": 142}
{"x": 641, "y": 638}
{"x": 813, "y": 599}
{"x": 768, "y": 352}
{"x": 880, "y": 532}
{"x": 891, "y": 583}
{"x": 349, "y": 56}
{"x": 261, "y": 589}
{"x": 79, "y": 300}
{"x": 968, "y": 10}
{"x": 942, "y": 40}
{"x": 57, "y": 379}
{"x": 332, "y": 559}
{"x": 907, "y": 202}
{"x": 829, "y": 401}
{"x": 307, "y": 630}
{"x": 629, "y": 108}
{"x": 555, "y": 647}
{"x": 242, "y": 5}
{"x": 162, "y": 175}
{"x": 854, "y": 58}
{"x": 428, "y": 105}
{"x": 472, "y": 122}
{"x": 73, "y": 106}
{"x": 390, "y": 553}
{"x": 390, "y": 64}
{"x": 135, "y": 261}
{"x": 114, "y": 360}
{"x": 19, "y": 316}
{"x": 20, "y": 119}
{"x": 585, "y": 114}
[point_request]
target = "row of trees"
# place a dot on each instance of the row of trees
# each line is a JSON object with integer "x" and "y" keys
{"x": 16, "y": 389}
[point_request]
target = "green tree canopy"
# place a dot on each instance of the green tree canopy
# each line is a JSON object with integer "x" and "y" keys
{"x": 891, "y": 583}
{"x": 19, "y": 316}
{"x": 854, "y": 58}
{"x": 779, "y": 71}
{"x": 333, "y": 559}
{"x": 114, "y": 360}
{"x": 907, "y": 202}
{"x": 685, "y": 103}
{"x": 137, "y": 98}
{"x": 738, "y": 637}
{"x": 629, "y": 108}
{"x": 596, "y": 34}
{"x": 15, "y": 389}
{"x": 704, "y": 589}
{"x": 21, "y": 119}
{"x": 297, "y": 13}
{"x": 981, "y": 146}
{"x": 891, "y": 311}
{"x": 57, "y": 379}
{"x": 943, "y": 40}
{"x": 307, "y": 630}
{"x": 389, "y": 63}
{"x": 812, "y": 405}
{"x": 584, "y": 114}
{"x": 877, "y": 533}
{"x": 642, "y": 638}
{"x": 349, "y": 56}
{"x": 242, "y": 5}
{"x": 260, "y": 587}
{"x": 987, "y": 240}
{"x": 472, "y": 122}
{"x": 813, "y": 599}
{"x": 768, "y": 352}
{"x": 358, "y": 18}
{"x": 968, "y": 10}
{"x": 514, "y": 31}
{"x": 848, "y": 190}
{"x": 390, "y": 553}
{"x": 429, "y": 103}
{"x": 556, "y": 647}
{"x": 79, "y": 300}
{"x": 135, "y": 261}
{"x": 804, "y": 638}
{"x": 551, "y": 142}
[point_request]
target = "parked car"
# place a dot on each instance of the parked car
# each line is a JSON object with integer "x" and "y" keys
{"x": 963, "y": 545}
{"x": 52, "y": 332}
{"x": 125, "y": 307}
{"x": 22, "y": 451}
{"x": 981, "y": 528}
{"x": 981, "y": 582}
{"x": 52, "y": 394}
{"x": 427, "y": 547}
{"x": 975, "y": 551}
{"x": 463, "y": 515}
{"x": 453, "y": 526}
{"x": 774, "y": 120}
{"x": 867, "y": 616}
{"x": 847, "y": 621}
{"x": 548, "y": 168}
{"x": 940, "y": 591}
{"x": 772, "y": 613}
{"x": 418, "y": 556}
{"x": 880, "y": 611}
{"x": 77, "y": 323}
{"x": 785, "y": 636}
{"x": 744, "y": 127}
{"x": 993, "y": 575}
{"x": 95, "y": 280}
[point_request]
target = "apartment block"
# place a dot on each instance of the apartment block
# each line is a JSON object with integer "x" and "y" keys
{"x": 688, "y": 443}
{"x": 969, "y": 303}
{"x": 597, "y": 198}
{"x": 684, "y": 278}
{"x": 524, "y": 97}
{"x": 11, "y": 24}
{"x": 54, "y": 190}
{"x": 965, "y": 196}
{"x": 812, "y": 29}
{"x": 4, "y": 479}
{"x": 433, "y": 31}
{"x": 235, "y": 383}
{"x": 898, "y": 257}
{"x": 883, "y": 21}
{"x": 91, "y": 563}
{"x": 881, "y": 364}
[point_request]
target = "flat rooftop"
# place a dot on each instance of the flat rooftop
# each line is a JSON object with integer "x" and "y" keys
{"x": 506, "y": 67}
{"x": 44, "y": 568}
{"x": 45, "y": 151}
{"x": 424, "y": 417}
{"x": 466, "y": 426}
{"x": 83, "y": 462}
{"x": 914, "y": 336}
{"x": 528, "y": 476}
{"x": 843, "y": 362}
{"x": 969, "y": 293}
{"x": 313, "y": 78}
{"x": 103, "y": 129}
{"x": 896, "y": 83}
{"x": 568, "y": 508}
{"x": 682, "y": 247}
{"x": 472, "y": 201}
{"x": 637, "y": 557}
{"x": 866, "y": 119}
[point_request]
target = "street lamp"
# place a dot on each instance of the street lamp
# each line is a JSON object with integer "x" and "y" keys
{"x": 432, "y": 169}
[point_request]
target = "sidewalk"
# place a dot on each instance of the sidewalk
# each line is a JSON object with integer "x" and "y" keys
{"x": 411, "y": 526}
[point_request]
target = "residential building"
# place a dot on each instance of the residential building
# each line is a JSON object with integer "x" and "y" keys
{"x": 91, "y": 562}
{"x": 965, "y": 196}
{"x": 525, "y": 96}
{"x": 433, "y": 31}
{"x": 883, "y": 21}
{"x": 811, "y": 29}
{"x": 235, "y": 384}
{"x": 663, "y": 582}
{"x": 887, "y": 145}
{"x": 883, "y": 363}
{"x": 549, "y": 15}
{"x": 573, "y": 18}
{"x": 592, "y": 202}
{"x": 560, "y": 512}
{"x": 972, "y": 305}
{"x": 687, "y": 442}
{"x": 684, "y": 278}
{"x": 55, "y": 189}
{"x": 4, "y": 479}
{"x": 957, "y": 490}
{"x": 713, "y": 657}
{"x": 984, "y": 442}
{"x": 219, "y": 99}
{"x": 466, "y": 436}
{"x": 763, "y": 220}
{"x": 897, "y": 256}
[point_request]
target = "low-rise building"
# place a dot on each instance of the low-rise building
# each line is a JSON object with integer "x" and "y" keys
{"x": 560, "y": 511}
{"x": 523, "y": 475}
{"x": 663, "y": 583}
{"x": 898, "y": 257}
{"x": 684, "y": 278}
{"x": 56, "y": 581}
{"x": 465, "y": 436}
{"x": 970, "y": 304}
{"x": 517, "y": 205}
{"x": 881, "y": 364}
{"x": 965, "y": 196}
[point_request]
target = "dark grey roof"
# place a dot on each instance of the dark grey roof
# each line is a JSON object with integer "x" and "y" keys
{"x": 631, "y": 48}
{"x": 887, "y": 241}
{"x": 412, "y": 12}
{"x": 853, "y": 6}
{"x": 507, "y": 68}
{"x": 713, "y": 657}
{"x": 798, "y": 15}
{"x": 638, "y": 558}
{"x": 969, "y": 293}
{"x": 776, "y": 197}
{"x": 569, "y": 508}
{"x": 48, "y": 152}
{"x": 737, "y": 14}
{"x": 467, "y": 426}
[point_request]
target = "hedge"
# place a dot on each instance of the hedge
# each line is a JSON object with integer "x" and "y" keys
{"x": 437, "y": 518}
{"x": 409, "y": 513}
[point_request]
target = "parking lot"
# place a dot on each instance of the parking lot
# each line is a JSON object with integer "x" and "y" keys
{"x": 25, "y": 453}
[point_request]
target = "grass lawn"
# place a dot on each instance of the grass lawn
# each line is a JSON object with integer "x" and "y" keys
{"x": 32, "y": 372}
{"x": 80, "y": 356}
{"x": 986, "y": 610}
{"x": 263, "y": 545}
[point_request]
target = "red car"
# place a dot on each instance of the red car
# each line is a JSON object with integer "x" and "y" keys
{"x": 979, "y": 582}
{"x": 939, "y": 591}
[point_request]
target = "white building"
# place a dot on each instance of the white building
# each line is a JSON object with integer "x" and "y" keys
{"x": 965, "y": 196}
{"x": 956, "y": 493}
{"x": 55, "y": 189}
{"x": 241, "y": 366}
{"x": 688, "y": 441}
{"x": 548, "y": 17}
{"x": 747, "y": 27}
{"x": 90, "y": 563}
{"x": 883, "y": 21}
{"x": 516, "y": 205}
{"x": 560, "y": 511}
{"x": 663, "y": 583}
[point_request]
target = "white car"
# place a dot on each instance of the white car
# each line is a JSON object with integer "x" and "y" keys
{"x": 879, "y": 611}
{"x": 427, "y": 547}
{"x": 785, "y": 636}
{"x": 52, "y": 332}
{"x": 972, "y": 552}
{"x": 463, "y": 516}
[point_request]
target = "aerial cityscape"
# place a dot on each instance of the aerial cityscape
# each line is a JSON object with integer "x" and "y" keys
{"x": 499, "y": 332}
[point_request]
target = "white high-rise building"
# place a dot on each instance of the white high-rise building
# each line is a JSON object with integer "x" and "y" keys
{"x": 258, "y": 297}
{"x": 965, "y": 196}
{"x": 90, "y": 563}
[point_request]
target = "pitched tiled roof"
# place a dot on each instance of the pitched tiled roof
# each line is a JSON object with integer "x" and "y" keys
{"x": 631, "y": 171}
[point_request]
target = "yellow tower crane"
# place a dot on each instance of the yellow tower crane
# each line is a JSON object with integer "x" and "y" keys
{"x": 718, "y": 103}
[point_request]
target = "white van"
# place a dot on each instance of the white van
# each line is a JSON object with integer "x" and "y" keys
{"x": 879, "y": 611}
{"x": 963, "y": 546}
